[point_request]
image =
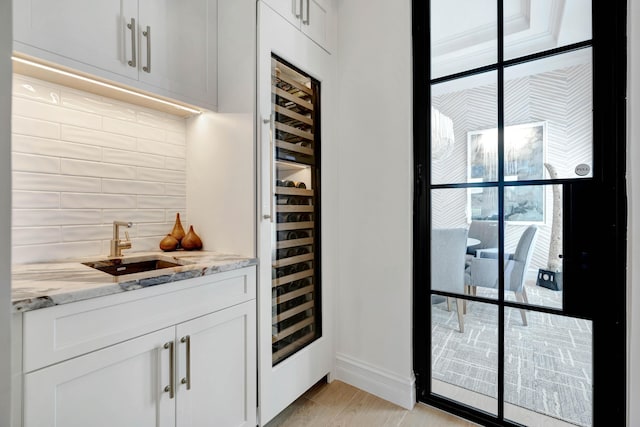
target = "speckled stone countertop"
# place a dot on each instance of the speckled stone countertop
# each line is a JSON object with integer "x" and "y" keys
{"x": 47, "y": 284}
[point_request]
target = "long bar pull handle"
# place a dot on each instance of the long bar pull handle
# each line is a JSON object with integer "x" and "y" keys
{"x": 267, "y": 212}
{"x": 297, "y": 8}
{"x": 272, "y": 159}
{"x": 171, "y": 387}
{"x": 187, "y": 380}
{"x": 132, "y": 27}
{"x": 306, "y": 21}
{"x": 147, "y": 34}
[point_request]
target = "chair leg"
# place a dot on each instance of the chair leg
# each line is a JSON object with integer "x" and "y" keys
{"x": 459, "y": 306}
{"x": 448, "y": 304}
{"x": 467, "y": 291}
{"x": 522, "y": 297}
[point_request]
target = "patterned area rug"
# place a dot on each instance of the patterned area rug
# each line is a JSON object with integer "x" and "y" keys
{"x": 548, "y": 364}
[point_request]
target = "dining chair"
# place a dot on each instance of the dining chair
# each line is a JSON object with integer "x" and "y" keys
{"x": 448, "y": 247}
{"x": 483, "y": 269}
{"x": 484, "y": 231}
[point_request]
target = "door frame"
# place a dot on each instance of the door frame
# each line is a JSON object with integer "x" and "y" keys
{"x": 609, "y": 170}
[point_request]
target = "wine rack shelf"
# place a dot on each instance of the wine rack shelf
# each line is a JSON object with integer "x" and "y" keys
{"x": 293, "y": 191}
{"x": 295, "y": 284}
{"x": 294, "y": 226}
{"x": 291, "y": 277}
{"x": 293, "y": 346}
{"x": 292, "y": 295}
{"x": 293, "y": 147}
{"x": 284, "y": 244}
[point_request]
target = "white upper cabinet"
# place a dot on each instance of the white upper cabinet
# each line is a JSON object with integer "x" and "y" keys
{"x": 167, "y": 47}
{"x": 178, "y": 47}
{"x": 315, "y": 18}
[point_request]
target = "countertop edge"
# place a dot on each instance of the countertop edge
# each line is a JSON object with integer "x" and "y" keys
{"x": 36, "y": 286}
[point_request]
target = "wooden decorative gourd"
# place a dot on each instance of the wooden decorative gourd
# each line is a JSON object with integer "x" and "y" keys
{"x": 178, "y": 231}
{"x": 191, "y": 241}
{"x": 169, "y": 243}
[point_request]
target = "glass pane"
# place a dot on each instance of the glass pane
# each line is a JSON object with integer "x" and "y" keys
{"x": 548, "y": 368}
{"x": 462, "y": 110}
{"x": 295, "y": 286}
{"x": 536, "y": 26}
{"x": 533, "y": 245}
{"x": 549, "y": 118}
{"x": 463, "y": 35}
{"x": 465, "y": 364}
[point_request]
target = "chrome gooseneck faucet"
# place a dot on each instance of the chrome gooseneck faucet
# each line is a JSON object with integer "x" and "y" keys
{"x": 118, "y": 245}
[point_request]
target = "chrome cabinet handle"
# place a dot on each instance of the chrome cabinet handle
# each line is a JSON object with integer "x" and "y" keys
{"x": 306, "y": 21}
{"x": 171, "y": 387}
{"x": 187, "y": 380}
{"x": 297, "y": 8}
{"x": 132, "y": 27}
{"x": 147, "y": 34}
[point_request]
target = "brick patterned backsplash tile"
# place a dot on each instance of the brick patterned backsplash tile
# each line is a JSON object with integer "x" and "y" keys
{"x": 81, "y": 161}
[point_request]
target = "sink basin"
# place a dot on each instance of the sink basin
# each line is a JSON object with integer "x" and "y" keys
{"x": 120, "y": 267}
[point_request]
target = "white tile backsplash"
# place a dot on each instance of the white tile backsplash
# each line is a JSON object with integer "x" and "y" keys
{"x": 97, "y": 138}
{"x": 81, "y": 161}
{"x": 55, "y": 113}
{"x": 49, "y": 182}
{"x": 34, "y": 163}
{"x": 54, "y": 148}
{"x": 131, "y": 158}
{"x": 35, "y": 200}
{"x": 34, "y": 127}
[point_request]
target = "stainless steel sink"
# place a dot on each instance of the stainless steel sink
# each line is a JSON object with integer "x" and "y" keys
{"x": 122, "y": 266}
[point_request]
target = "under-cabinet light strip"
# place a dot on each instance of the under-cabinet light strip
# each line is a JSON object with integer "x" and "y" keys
{"x": 106, "y": 85}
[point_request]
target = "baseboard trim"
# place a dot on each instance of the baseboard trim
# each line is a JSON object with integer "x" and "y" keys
{"x": 377, "y": 381}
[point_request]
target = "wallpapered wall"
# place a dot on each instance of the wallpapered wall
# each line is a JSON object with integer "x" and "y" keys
{"x": 562, "y": 98}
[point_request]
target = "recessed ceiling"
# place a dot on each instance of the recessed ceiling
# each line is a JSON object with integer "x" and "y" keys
{"x": 464, "y": 32}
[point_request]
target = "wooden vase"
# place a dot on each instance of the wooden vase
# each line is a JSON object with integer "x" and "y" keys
{"x": 169, "y": 243}
{"x": 191, "y": 241}
{"x": 178, "y": 231}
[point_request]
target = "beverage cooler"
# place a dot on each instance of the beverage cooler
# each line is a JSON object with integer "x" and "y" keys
{"x": 295, "y": 176}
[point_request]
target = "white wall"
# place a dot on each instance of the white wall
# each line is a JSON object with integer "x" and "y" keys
{"x": 5, "y": 212}
{"x": 81, "y": 161}
{"x": 374, "y": 342}
{"x": 221, "y": 170}
{"x": 633, "y": 189}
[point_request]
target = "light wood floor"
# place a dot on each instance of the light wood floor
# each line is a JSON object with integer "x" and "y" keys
{"x": 339, "y": 404}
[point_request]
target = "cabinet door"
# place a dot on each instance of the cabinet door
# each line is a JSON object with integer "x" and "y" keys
{"x": 216, "y": 367}
{"x": 178, "y": 48}
{"x": 291, "y": 10}
{"x": 78, "y": 33}
{"x": 121, "y": 385}
{"x": 317, "y": 22}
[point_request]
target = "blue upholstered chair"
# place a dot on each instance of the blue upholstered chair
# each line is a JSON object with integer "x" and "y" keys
{"x": 486, "y": 232}
{"x": 483, "y": 268}
{"x": 448, "y": 248}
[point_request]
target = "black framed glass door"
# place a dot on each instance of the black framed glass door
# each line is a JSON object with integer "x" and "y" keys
{"x": 520, "y": 228}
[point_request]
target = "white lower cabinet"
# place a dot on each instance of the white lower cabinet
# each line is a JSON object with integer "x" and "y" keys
{"x": 117, "y": 386}
{"x": 214, "y": 383}
{"x": 196, "y": 372}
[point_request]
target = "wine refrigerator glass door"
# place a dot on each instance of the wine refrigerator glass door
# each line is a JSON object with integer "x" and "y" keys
{"x": 295, "y": 259}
